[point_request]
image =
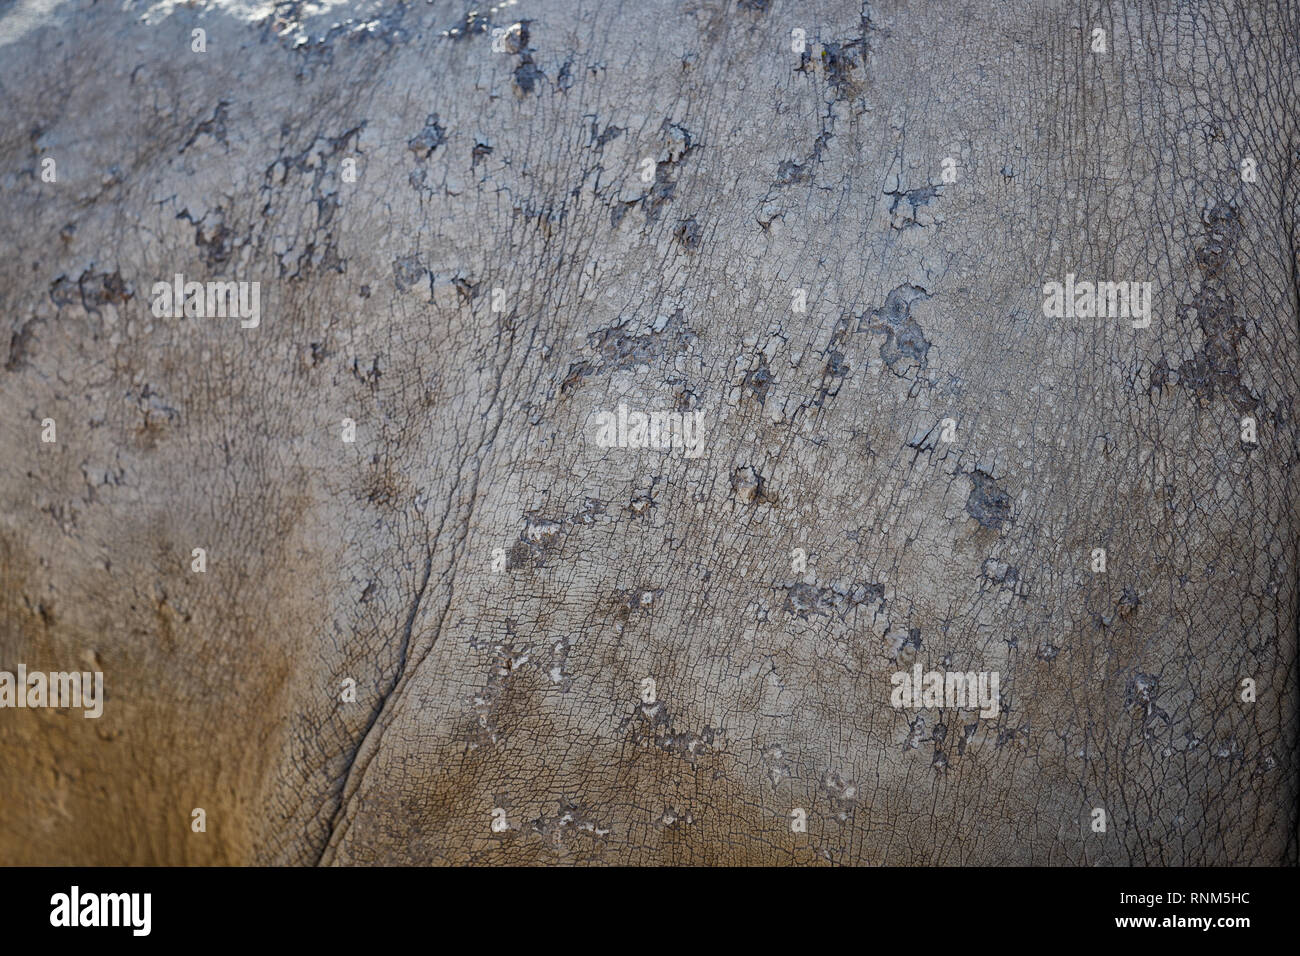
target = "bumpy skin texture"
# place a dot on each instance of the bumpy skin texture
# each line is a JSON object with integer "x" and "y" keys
{"x": 519, "y": 690}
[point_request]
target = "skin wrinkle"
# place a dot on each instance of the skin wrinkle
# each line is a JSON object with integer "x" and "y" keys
{"x": 393, "y": 694}
{"x": 520, "y": 690}
{"x": 378, "y": 714}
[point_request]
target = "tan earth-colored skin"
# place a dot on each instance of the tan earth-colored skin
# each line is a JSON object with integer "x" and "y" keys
{"x": 520, "y": 690}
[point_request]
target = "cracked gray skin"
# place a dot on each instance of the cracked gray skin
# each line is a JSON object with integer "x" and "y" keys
{"x": 519, "y": 690}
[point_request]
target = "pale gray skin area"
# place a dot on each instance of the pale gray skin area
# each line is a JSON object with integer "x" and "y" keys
{"x": 520, "y": 689}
